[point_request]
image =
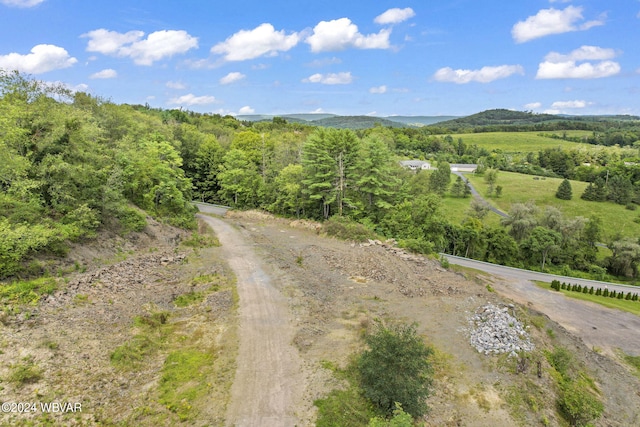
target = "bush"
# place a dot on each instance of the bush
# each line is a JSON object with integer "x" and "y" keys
{"x": 579, "y": 403}
{"x": 347, "y": 229}
{"x": 395, "y": 369}
{"x": 420, "y": 246}
{"x": 131, "y": 219}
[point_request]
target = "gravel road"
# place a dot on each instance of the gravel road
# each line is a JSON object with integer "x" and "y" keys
{"x": 269, "y": 378}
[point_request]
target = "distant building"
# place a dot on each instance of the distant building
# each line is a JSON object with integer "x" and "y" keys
{"x": 458, "y": 167}
{"x": 415, "y": 165}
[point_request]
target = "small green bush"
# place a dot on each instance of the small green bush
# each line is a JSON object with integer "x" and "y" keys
{"x": 395, "y": 368}
{"x": 347, "y": 229}
{"x": 579, "y": 403}
{"x": 131, "y": 219}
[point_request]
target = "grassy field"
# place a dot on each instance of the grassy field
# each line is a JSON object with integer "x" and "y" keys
{"x": 518, "y": 142}
{"x": 520, "y": 188}
{"x": 619, "y": 304}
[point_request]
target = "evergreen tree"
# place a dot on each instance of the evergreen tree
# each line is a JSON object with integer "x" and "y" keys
{"x": 564, "y": 190}
{"x": 458, "y": 187}
{"x": 440, "y": 179}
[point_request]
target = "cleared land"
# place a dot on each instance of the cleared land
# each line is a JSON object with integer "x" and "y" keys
{"x": 519, "y": 142}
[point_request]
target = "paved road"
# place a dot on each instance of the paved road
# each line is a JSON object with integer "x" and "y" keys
{"x": 520, "y": 274}
{"x": 211, "y": 208}
{"x": 269, "y": 381}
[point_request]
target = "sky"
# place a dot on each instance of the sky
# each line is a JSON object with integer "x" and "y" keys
{"x": 355, "y": 57}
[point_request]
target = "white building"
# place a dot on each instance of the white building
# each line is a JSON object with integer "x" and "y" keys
{"x": 415, "y": 165}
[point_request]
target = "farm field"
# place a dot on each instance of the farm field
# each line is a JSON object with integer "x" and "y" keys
{"x": 519, "y": 142}
{"x": 520, "y": 188}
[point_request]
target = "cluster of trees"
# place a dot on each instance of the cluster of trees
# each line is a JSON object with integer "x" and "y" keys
{"x": 72, "y": 164}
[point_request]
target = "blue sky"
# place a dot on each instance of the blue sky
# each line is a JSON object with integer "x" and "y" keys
{"x": 345, "y": 57}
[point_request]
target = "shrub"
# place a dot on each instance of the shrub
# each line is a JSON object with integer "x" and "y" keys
{"x": 579, "y": 403}
{"x": 395, "y": 369}
{"x": 131, "y": 219}
{"x": 347, "y": 229}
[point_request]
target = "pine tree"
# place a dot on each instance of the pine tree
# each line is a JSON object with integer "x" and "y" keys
{"x": 564, "y": 190}
{"x": 457, "y": 189}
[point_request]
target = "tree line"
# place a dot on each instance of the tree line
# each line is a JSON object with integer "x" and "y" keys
{"x": 76, "y": 163}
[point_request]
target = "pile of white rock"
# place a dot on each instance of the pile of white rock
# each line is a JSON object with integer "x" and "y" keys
{"x": 495, "y": 331}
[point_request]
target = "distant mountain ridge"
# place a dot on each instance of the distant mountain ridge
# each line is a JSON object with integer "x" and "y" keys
{"x": 350, "y": 122}
{"x": 488, "y": 118}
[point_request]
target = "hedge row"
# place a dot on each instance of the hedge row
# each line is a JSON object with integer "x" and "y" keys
{"x": 555, "y": 284}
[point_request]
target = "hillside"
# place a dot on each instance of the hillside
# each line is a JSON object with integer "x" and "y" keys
{"x": 511, "y": 120}
{"x": 349, "y": 122}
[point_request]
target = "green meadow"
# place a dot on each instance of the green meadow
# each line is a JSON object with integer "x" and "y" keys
{"x": 520, "y": 188}
{"x": 519, "y": 142}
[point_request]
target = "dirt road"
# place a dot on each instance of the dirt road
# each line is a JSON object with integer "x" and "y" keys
{"x": 269, "y": 379}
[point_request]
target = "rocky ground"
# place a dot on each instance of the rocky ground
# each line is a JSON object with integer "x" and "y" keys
{"x": 335, "y": 292}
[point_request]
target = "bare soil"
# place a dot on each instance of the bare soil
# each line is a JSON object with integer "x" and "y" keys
{"x": 326, "y": 293}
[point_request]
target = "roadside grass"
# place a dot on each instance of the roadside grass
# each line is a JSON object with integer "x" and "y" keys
{"x": 521, "y": 188}
{"x": 632, "y": 307}
{"x": 518, "y": 142}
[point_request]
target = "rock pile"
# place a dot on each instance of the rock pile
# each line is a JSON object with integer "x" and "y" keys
{"x": 495, "y": 331}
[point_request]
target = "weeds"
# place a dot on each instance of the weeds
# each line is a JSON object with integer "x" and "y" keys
{"x": 188, "y": 299}
{"x": 25, "y": 372}
{"x": 183, "y": 381}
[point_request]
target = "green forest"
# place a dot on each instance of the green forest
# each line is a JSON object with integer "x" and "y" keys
{"x": 74, "y": 164}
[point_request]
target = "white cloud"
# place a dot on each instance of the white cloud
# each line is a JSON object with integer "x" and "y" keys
{"x": 583, "y": 53}
{"x": 565, "y": 107}
{"x": 21, "y": 3}
{"x": 330, "y": 79}
{"x": 575, "y": 65}
{"x": 158, "y": 45}
{"x": 175, "y": 85}
{"x": 483, "y": 75}
{"x": 191, "y": 99}
{"x": 378, "y": 89}
{"x": 43, "y": 58}
{"x": 560, "y": 105}
{"x": 532, "y": 105}
{"x": 394, "y": 16}
{"x": 340, "y": 34}
{"x": 263, "y": 40}
{"x": 105, "y": 74}
{"x": 552, "y": 21}
{"x": 246, "y": 110}
{"x": 232, "y": 78}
